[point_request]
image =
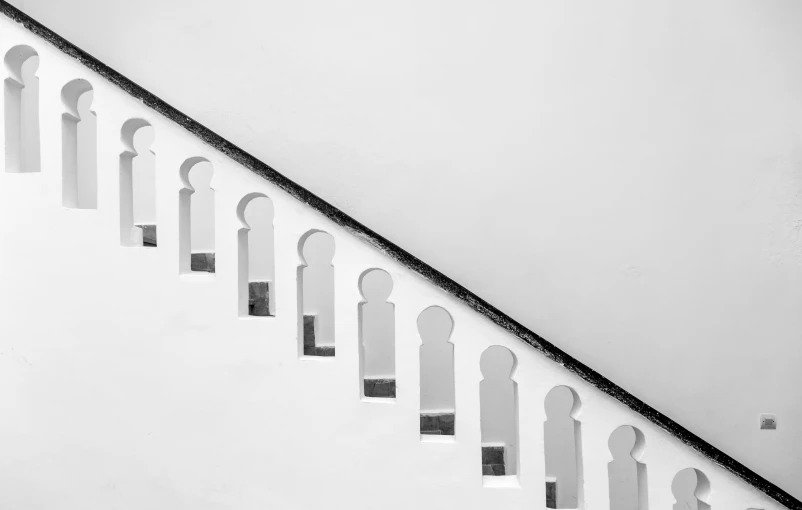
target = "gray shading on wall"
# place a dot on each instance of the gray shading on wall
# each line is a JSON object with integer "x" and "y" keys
{"x": 437, "y": 394}
{"x": 499, "y": 406}
{"x": 627, "y": 476}
{"x": 562, "y": 437}
{"x": 377, "y": 334}
{"x": 691, "y": 489}
{"x": 316, "y": 294}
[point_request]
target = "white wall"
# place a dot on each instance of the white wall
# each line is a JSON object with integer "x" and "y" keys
{"x": 259, "y": 216}
{"x": 124, "y": 384}
{"x": 622, "y": 177}
{"x": 202, "y": 208}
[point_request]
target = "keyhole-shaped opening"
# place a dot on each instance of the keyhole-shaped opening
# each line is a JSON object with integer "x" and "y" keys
{"x": 78, "y": 146}
{"x": 21, "y": 101}
{"x": 691, "y": 489}
{"x": 437, "y": 400}
{"x": 196, "y": 217}
{"x": 627, "y": 476}
{"x": 137, "y": 185}
{"x": 377, "y": 334}
{"x": 499, "y": 412}
{"x": 316, "y": 294}
{"x": 256, "y": 265}
{"x": 563, "y": 448}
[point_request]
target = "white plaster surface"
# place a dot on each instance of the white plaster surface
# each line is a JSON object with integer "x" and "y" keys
{"x": 642, "y": 213}
{"x": 86, "y": 181}
{"x": 202, "y": 208}
{"x": 259, "y": 216}
{"x": 436, "y": 360}
{"x": 377, "y": 330}
{"x": 318, "y": 281}
{"x": 622, "y": 177}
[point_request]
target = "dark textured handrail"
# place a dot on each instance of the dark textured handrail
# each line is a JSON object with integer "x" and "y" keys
{"x": 402, "y": 256}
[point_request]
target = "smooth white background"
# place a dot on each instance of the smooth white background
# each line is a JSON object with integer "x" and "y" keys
{"x": 126, "y": 385}
{"x": 624, "y": 178}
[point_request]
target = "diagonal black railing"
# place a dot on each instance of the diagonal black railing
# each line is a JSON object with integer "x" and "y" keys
{"x": 407, "y": 259}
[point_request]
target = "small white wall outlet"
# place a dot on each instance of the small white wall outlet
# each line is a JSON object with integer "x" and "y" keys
{"x": 768, "y": 422}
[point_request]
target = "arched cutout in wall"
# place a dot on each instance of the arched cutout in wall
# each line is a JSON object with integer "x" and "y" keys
{"x": 137, "y": 185}
{"x": 627, "y": 476}
{"x": 691, "y": 489}
{"x": 196, "y": 217}
{"x": 499, "y": 412}
{"x": 377, "y": 334}
{"x": 437, "y": 399}
{"x": 21, "y": 99}
{"x": 256, "y": 265}
{"x": 316, "y": 294}
{"x": 78, "y": 146}
{"x": 563, "y": 447}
